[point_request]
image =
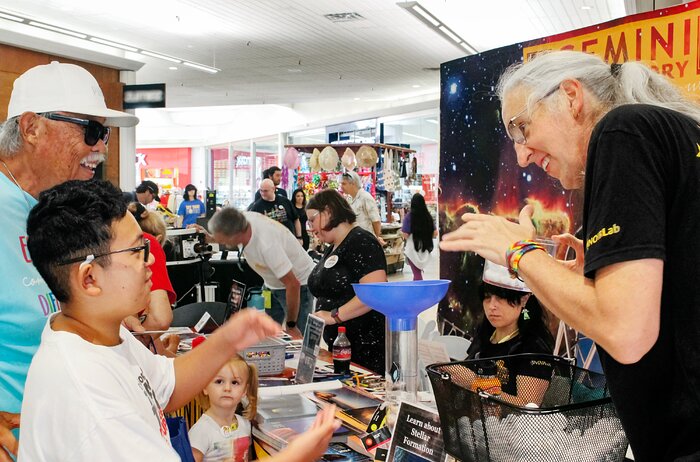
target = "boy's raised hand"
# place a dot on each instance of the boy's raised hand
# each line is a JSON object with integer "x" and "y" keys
{"x": 248, "y": 327}
{"x": 312, "y": 444}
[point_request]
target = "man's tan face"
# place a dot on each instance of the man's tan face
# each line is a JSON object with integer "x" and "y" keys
{"x": 64, "y": 152}
{"x": 276, "y": 178}
{"x": 348, "y": 187}
{"x": 145, "y": 197}
{"x": 267, "y": 192}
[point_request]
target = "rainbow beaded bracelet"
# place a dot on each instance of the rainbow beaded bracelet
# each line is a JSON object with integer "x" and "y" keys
{"x": 516, "y": 252}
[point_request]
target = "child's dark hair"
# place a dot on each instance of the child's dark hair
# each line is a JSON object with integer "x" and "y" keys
{"x": 188, "y": 188}
{"x": 249, "y": 411}
{"x": 72, "y": 220}
{"x": 535, "y": 326}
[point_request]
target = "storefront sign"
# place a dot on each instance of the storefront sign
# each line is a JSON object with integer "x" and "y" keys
{"x": 148, "y": 96}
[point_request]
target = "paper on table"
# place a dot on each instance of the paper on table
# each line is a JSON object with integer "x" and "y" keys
{"x": 432, "y": 352}
{"x": 183, "y": 332}
{"x": 297, "y": 389}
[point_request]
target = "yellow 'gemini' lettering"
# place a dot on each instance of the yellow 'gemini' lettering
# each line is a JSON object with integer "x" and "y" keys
{"x": 614, "y": 229}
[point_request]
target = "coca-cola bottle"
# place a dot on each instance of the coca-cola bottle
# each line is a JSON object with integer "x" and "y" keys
{"x": 341, "y": 353}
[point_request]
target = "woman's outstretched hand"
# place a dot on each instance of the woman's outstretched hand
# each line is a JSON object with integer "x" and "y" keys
{"x": 488, "y": 235}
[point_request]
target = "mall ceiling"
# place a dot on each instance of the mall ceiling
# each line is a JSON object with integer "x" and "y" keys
{"x": 290, "y": 51}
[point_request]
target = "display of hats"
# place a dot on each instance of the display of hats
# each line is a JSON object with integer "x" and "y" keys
{"x": 366, "y": 156}
{"x": 313, "y": 162}
{"x": 348, "y": 160}
{"x": 498, "y": 275}
{"x": 291, "y": 158}
{"x": 328, "y": 159}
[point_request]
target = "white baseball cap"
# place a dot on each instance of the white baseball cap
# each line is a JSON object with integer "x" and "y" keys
{"x": 498, "y": 276}
{"x": 66, "y": 88}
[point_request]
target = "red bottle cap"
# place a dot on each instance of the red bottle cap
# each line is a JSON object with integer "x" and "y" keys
{"x": 341, "y": 329}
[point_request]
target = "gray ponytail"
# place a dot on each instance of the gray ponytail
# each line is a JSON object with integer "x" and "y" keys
{"x": 10, "y": 139}
{"x": 631, "y": 82}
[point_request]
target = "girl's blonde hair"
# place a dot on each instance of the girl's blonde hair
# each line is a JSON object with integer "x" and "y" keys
{"x": 251, "y": 409}
{"x": 150, "y": 222}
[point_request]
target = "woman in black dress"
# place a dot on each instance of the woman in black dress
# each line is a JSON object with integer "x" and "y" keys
{"x": 353, "y": 256}
{"x": 299, "y": 202}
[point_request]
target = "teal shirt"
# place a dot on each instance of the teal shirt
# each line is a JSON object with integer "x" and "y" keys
{"x": 25, "y": 299}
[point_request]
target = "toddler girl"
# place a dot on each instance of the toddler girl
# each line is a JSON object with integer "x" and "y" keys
{"x": 222, "y": 433}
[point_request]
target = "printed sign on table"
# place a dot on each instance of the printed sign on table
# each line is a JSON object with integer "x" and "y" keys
{"x": 417, "y": 435}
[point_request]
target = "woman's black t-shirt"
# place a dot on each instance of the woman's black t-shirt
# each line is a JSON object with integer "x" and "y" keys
{"x": 508, "y": 370}
{"x": 330, "y": 282}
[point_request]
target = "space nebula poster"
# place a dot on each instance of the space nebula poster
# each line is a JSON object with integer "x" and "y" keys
{"x": 478, "y": 167}
{"x": 479, "y": 172}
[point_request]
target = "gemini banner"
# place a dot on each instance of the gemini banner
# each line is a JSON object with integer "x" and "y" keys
{"x": 478, "y": 168}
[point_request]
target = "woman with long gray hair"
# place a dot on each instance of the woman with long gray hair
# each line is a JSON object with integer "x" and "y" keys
{"x": 631, "y": 140}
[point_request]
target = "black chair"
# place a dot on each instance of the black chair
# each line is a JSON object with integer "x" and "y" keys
{"x": 189, "y": 315}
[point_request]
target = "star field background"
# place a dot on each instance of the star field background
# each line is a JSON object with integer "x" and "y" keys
{"x": 479, "y": 171}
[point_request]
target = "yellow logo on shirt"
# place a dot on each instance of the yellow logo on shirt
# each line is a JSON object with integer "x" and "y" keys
{"x": 698, "y": 145}
{"x": 614, "y": 229}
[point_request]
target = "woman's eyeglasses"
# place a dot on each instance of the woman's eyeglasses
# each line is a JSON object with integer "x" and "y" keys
{"x": 516, "y": 131}
{"x": 94, "y": 131}
{"x": 146, "y": 248}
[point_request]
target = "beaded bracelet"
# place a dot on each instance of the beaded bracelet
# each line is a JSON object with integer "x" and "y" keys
{"x": 516, "y": 252}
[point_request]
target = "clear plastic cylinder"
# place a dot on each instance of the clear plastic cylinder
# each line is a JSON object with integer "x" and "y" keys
{"x": 401, "y": 363}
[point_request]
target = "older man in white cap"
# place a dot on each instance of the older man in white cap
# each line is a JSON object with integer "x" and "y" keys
{"x": 57, "y": 129}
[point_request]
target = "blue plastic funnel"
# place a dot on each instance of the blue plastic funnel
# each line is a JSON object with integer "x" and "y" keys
{"x": 401, "y": 302}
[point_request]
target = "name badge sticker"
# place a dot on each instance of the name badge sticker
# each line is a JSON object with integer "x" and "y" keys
{"x": 330, "y": 263}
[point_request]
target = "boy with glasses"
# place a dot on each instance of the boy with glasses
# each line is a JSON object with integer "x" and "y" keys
{"x": 93, "y": 392}
{"x": 57, "y": 129}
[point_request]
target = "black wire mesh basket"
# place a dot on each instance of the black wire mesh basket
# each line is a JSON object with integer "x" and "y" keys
{"x": 568, "y": 416}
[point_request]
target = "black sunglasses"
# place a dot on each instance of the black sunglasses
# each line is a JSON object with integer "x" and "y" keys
{"x": 94, "y": 131}
{"x": 146, "y": 247}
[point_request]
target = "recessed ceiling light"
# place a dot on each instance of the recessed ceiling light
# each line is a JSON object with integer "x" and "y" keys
{"x": 293, "y": 70}
{"x": 160, "y": 56}
{"x": 57, "y": 29}
{"x": 114, "y": 44}
{"x": 172, "y": 68}
{"x": 356, "y": 99}
{"x": 11, "y": 17}
{"x": 586, "y": 7}
{"x": 201, "y": 67}
{"x": 109, "y": 43}
{"x": 427, "y": 18}
{"x": 415, "y": 86}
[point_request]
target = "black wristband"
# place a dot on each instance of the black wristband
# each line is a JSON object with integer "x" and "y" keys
{"x": 291, "y": 324}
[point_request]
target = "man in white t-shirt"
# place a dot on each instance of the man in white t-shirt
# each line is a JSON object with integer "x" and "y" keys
{"x": 93, "y": 391}
{"x": 272, "y": 252}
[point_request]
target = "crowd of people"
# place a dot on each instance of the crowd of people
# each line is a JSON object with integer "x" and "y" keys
{"x": 622, "y": 133}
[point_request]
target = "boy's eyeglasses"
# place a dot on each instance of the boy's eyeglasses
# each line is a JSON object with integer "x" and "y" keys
{"x": 146, "y": 247}
{"x": 94, "y": 131}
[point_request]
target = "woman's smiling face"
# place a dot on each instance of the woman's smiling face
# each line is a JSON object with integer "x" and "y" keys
{"x": 553, "y": 139}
